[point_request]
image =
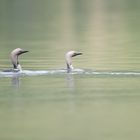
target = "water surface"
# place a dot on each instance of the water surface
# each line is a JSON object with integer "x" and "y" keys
{"x": 100, "y": 99}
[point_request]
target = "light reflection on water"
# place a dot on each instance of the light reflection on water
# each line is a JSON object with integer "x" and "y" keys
{"x": 15, "y": 76}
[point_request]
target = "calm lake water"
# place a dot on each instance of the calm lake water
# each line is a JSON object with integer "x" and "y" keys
{"x": 100, "y": 100}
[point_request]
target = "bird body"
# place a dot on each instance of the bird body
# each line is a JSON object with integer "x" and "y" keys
{"x": 68, "y": 58}
{"x": 18, "y": 51}
{"x": 14, "y": 58}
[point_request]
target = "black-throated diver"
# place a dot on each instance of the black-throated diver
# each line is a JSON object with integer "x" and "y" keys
{"x": 68, "y": 57}
{"x": 14, "y": 59}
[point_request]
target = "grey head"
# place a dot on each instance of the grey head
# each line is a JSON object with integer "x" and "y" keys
{"x": 14, "y": 58}
{"x": 68, "y": 58}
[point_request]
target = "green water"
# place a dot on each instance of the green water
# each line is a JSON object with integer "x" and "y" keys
{"x": 71, "y": 106}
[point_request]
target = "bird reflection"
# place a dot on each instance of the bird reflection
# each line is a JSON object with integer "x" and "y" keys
{"x": 70, "y": 81}
{"x": 15, "y": 81}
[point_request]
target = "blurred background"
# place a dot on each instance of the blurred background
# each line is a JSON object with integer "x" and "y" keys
{"x": 71, "y": 106}
{"x": 106, "y": 31}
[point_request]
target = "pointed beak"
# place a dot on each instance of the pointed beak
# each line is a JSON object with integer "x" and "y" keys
{"x": 77, "y": 53}
{"x": 23, "y": 52}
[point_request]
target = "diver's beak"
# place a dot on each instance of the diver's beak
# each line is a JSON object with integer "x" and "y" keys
{"x": 23, "y": 52}
{"x": 77, "y": 53}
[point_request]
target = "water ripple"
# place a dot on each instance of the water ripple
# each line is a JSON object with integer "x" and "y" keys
{"x": 75, "y": 71}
